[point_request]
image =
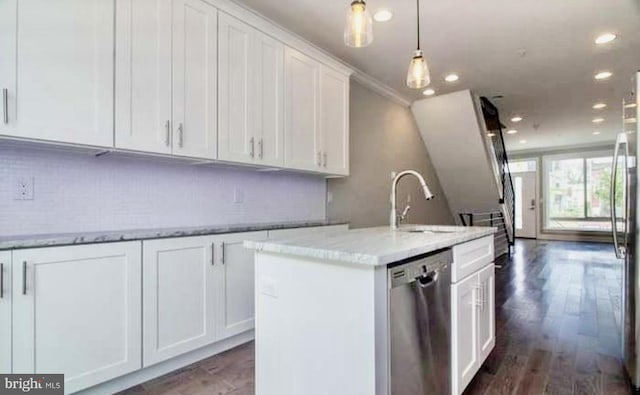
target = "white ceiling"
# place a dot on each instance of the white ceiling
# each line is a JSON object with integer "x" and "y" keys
{"x": 551, "y": 86}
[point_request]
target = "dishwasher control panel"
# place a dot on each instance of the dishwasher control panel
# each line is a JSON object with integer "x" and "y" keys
{"x": 421, "y": 267}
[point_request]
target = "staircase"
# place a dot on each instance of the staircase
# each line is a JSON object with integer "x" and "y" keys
{"x": 463, "y": 135}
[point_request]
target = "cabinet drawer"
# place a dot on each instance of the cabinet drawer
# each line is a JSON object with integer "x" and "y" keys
{"x": 470, "y": 257}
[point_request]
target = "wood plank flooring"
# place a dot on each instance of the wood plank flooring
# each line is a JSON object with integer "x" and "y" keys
{"x": 557, "y": 331}
{"x": 557, "y": 323}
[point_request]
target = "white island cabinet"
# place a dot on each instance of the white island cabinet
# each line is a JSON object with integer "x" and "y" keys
{"x": 324, "y": 301}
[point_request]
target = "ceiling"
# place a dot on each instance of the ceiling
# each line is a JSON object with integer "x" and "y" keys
{"x": 538, "y": 54}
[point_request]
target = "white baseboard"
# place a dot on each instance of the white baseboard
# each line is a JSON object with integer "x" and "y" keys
{"x": 159, "y": 369}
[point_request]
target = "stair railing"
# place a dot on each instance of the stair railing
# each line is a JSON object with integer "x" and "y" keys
{"x": 501, "y": 164}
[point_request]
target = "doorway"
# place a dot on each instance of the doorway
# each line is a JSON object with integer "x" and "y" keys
{"x": 525, "y": 204}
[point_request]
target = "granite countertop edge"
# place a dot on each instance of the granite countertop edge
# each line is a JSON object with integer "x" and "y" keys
{"x": 65, "y": 239}
{"x": 288, "y": 247}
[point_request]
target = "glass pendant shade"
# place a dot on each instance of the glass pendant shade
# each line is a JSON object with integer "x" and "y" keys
{"x": 358, "y": 30}
{"x": 418, "y": 75}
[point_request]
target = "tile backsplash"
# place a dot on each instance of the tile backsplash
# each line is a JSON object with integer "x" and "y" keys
{"x": 79, "y": 192}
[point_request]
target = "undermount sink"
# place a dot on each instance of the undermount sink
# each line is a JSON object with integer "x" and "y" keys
{"x": 431, "y": 230}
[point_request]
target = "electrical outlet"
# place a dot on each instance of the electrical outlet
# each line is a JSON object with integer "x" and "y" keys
{"x": 23, "y": 188}
{"x": 238, "y": 195}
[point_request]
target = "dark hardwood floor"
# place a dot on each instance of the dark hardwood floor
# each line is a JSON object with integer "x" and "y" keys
{"x": 557, "y": 331}
{"x": 557, "y": 322}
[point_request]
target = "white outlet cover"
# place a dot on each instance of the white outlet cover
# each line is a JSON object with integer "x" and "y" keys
{"x": 23, "y": 188}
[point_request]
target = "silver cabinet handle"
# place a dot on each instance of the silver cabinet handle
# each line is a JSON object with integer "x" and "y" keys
{"x": 213, "y": 254}
{"x": 167, "y": 127}
{"x": 24, "y": 277}
{"x": 324, "y": 159}
{"x": 1, "y": 280}
{"x": 5, "y": 105}
{"x": 261, "y": 148}
{"x": 180, "y": 135}
{"x": 251, "y": 143}
{"x": 222, "y": 257}
{"x": 319, "y": 158}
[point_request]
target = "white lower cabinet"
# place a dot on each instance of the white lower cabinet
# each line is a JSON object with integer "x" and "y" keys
{"x": 5, "y": 311}
{"x": 77, "y": 311}
{"x": 179, "y": 296}
{"x": 197, "y": 290}
{"x": 237, "y": 308}
{"x": 487, "y": 315}
{"x": 473, "y": 325}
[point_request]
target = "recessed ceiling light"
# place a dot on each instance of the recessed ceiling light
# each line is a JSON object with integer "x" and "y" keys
{"x": 603, "y": 75}
{"x": 598, "y": 120}
{"x": 599, "y": 106}
{"x": 596, "y": 133}
{"x": 630, "y": 105}
{"x": 512, "y": 131}
{"x": 523, "y": 141}
{"x": 490, "y": 134}
{"x": 605, "y": 38}
{"x": 452, "y": 78}
{"x": 428, "y": 92}
{"x": 383, "y": 15}
{"x": 516, "y": 119}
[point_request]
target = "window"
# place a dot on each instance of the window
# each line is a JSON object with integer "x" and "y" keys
{"x": 577, "y": 192}
{"x": 521, "y": 166}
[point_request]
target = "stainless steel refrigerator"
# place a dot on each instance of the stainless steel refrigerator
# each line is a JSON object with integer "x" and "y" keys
{"x": 624, "y": 227}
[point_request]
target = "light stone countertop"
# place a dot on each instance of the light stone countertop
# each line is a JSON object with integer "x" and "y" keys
{"x": 50, "y": 240}
{"x": 371, "y": 246}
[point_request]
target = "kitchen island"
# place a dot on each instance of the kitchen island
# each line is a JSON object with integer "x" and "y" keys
{"x": 325, "y": 322}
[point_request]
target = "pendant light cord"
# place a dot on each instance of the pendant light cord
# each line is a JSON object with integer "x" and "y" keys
{"x": 418, "y": 18}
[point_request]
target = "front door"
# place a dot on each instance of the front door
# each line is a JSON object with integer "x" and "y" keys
{"x": 526, "y": 207}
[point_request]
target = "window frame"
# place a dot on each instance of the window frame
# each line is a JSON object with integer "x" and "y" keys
{"x": 545, "y": 168}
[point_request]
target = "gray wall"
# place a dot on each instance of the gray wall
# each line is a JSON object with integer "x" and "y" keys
{"x": 384, "y": 138}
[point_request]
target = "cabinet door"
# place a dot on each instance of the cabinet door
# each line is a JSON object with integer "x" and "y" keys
{"x": 237, "y": 298}
{"x": 267, "y": 110}
{"x": 143, "y": 75}
{"x": 57, "y": 70}
{"x": 486, "y": 319}
{"x": 301, "y": 149}
{"x": 77, "y": 311}
{"x": 236, "y": 140}
{"x": 194, "y": 79}
{"x": 464, "y": 327}
{"x": 179, "y": 296}
{"x": 334, "y": 121}
{"x": 5, "y": 311}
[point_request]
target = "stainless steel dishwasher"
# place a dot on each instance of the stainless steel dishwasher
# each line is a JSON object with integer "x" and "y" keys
{"x": 420, "y": 325}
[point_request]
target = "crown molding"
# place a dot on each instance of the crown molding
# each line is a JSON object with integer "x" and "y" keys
{"x": 380, "y": 88}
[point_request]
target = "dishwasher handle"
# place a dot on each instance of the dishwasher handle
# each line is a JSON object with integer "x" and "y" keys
{"x": 427, "y": 279}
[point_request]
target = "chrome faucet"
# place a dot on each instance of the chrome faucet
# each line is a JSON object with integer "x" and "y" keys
{"x": 393, "y": 219}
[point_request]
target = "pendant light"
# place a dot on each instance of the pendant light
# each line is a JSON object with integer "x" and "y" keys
{"x": 418, "y": 74}
{"x": 358, "y": 30}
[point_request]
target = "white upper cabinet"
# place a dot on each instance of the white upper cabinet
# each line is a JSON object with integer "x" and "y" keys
{"x": 236, "y": 140}
{"x": 268, "y": 104}
{"x": 195, "y": 40}
{"x": 5, "y": 311}
{"x": 301, "y": 129}
{"x": 143, "y": 75}
{"x": 77, "y": 311}
{"x": 250, "y": 107}
{"x": 56, "y": 70}
{"x": 316, "y": 116}
{"x": 334, "y": 121}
